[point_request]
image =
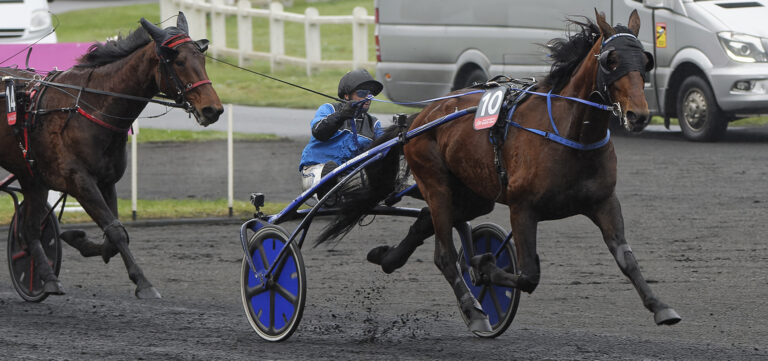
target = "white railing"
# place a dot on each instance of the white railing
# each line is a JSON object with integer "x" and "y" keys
{"x": 200, "y": 12}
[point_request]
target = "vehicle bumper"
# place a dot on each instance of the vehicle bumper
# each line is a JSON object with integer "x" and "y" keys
{"x": 751, "y": 100}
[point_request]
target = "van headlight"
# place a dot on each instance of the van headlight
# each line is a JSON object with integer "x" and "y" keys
{"x": 40, "y": 20}
{"x": 743, "y": 48}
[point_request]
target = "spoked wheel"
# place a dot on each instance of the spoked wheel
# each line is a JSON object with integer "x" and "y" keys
{"x": 500, "y": 303}
{"x": 25, "y": 278}
{"x": 274, "y": 310}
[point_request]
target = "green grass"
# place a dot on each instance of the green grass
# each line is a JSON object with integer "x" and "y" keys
{"x": 151, "y": 135}
{"x": 236, "y": 86}
{"x": 159, "y": 209}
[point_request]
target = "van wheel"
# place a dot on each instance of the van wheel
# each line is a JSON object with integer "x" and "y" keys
{"x": 699, "y": 115}
{"x": 469, "y": 78}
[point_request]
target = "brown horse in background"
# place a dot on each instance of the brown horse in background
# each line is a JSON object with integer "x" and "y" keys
{"x": 453, "y": 166}
{"x": 77, "y": 139}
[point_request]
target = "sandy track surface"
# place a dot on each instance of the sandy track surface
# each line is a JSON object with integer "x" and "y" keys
{"x": 695, "y": 216}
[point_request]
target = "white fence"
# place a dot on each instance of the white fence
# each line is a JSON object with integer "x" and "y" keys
{"x": 200, "y": 12}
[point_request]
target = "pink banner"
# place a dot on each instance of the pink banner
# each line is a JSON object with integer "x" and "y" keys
{"x": 44, "y": 57}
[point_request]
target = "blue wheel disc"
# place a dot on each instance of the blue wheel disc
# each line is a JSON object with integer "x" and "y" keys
{"x": 274, "y": 307}
{"x": 499, "y": 303}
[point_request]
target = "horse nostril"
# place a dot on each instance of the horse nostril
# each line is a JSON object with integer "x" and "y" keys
{"x": 212, "y": 113}
{"x": 631, "y": 117}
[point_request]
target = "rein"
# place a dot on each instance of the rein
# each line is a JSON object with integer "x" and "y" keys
{"x": 166, "y": 67}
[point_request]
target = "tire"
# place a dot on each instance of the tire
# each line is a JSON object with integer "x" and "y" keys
{"x": 275, "y": 311}
{"x": 699, "y": 115}
{"x": 469, "y": 78}
{"x": 500, "y": 303}
{"x": 20, "y": 263}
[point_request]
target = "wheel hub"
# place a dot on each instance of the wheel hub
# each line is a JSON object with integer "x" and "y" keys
{"x": 694, "y": 109}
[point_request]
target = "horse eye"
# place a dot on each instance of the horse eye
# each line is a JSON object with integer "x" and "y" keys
{"x": 179, "y": 63}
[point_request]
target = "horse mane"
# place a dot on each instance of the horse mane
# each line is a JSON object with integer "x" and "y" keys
{"x": 567, "y": 54}
{"x": 113, "y": 50}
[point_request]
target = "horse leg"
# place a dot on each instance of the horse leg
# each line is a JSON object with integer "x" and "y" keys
{"x": 446, "y": 260}
{"x": 79, "y": 240}
{"x": 392, "y": 258}
{"x": 99, "y": 206}
{"x": 608, "y": 218}
{"x": 524, "y": 234}
{"x": 34, "y": 213}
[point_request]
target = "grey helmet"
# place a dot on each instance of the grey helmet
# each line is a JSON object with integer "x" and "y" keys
{"x": 358, "y": 78}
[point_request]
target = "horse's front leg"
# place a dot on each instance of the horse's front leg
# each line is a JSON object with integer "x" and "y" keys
{"x": 98, "y": 204}
{"x": 607, "y": 216}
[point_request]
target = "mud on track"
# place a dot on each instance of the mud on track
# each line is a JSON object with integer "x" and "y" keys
{"x": 694, "y": 213}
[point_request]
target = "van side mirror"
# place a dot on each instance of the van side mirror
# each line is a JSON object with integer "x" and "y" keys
{"x": 671, "y": 5}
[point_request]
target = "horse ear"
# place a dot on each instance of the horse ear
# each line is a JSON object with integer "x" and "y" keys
{"x": 157, "y": 34}
{"x": 605, "y": 29}
{"x": 634, "y": 23}
{"x": 181, "y": 23}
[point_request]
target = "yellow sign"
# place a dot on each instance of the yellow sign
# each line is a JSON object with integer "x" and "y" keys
{"x": 661, "y": 35}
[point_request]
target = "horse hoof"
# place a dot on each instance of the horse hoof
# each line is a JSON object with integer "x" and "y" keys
{"x": 53, "y": 288}
{"x": 146, "y": 293}
{"x": 376, "y": 255}
{"x": 666, "y": 316}
{"x": 108, "y": 250}
{"x": 480, "y": 325}
{"x": 72, "y": 236}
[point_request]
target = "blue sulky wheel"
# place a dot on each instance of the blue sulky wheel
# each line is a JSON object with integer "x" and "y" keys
{"x": 274, "y": 311}
{"x": 500, "y": 303}
{"x": 25, "y": 279}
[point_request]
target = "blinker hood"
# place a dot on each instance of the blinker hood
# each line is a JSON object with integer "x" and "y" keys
{"x": 629, "y": 51}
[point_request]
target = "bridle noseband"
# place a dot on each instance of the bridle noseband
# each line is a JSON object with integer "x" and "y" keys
{"x": 167, "y": 53}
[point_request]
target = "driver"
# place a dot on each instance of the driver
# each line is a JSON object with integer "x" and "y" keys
{"x": 340, "y": 131}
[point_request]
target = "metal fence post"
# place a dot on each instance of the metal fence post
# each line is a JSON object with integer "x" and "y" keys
{"x": 359, "y": 37}
{"x": 134, "y": 169}
{"x": 244, "y": 31}
{"x": 312, "y": 38}
{"x": 276, "y": 34}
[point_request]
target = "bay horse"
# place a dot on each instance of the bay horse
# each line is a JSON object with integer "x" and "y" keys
{"x": 79, "y": 122}
{"x": 453, "y": 166}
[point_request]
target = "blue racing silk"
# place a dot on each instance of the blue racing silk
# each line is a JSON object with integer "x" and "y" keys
{"x": 341, "y": 146}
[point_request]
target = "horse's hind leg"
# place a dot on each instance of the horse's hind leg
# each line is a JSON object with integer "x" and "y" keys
{"x": 392, "y": 258}
{"x": 102, "y": 207}
{"x": 608, "y": 218}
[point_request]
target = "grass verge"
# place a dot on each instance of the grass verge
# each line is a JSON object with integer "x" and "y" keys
{"x": 236, "y": 86}
{"x": 159, "y": 209}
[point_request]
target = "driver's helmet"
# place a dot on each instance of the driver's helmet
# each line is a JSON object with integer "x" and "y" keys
{"x": 358, "y": 79}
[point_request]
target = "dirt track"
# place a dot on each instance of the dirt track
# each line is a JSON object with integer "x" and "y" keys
{"x": 695, "y": 216}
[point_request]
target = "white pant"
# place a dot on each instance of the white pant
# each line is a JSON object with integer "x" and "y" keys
{"x": 312, "y": 174}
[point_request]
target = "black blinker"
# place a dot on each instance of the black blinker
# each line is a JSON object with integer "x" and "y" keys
{"x": 202, "y": 45}
{"x": 650, "y": 64}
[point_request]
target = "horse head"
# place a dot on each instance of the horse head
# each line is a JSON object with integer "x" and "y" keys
{"x": 181, "y": 71}
{"x": 622, "y": 68}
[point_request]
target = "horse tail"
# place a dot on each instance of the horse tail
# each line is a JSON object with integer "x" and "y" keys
{"x": 382, "y": 180}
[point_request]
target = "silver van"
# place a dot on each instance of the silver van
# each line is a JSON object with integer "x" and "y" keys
{"x": 25, "y": 21}
{"x": 711, "y": 58}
